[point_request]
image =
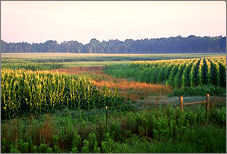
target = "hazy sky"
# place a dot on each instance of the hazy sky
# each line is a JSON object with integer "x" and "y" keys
{"x": 38, "y": 21}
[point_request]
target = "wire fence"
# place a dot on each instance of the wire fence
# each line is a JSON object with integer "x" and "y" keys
{"x": 79, "y": 113}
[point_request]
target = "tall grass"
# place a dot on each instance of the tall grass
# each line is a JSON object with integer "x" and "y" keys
{"x": 156, "y": 130}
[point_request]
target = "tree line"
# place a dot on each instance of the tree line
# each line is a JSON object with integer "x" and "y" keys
{"x": 177, "y": 44}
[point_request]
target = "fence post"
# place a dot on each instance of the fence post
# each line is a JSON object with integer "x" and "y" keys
{"x": 106, "y": 115}
{"x": 213, "y": 102}
{"x": 207, "y": 102}
{"x": 181, "y": 103}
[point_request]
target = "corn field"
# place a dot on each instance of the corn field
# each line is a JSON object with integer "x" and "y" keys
{"x": 175, "y": 72}
{"x": 184, "y": 72}
{"x": 35, "y": 92}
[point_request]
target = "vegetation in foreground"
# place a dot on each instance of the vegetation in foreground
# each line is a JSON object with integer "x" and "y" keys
{"x": 156, "y": 130}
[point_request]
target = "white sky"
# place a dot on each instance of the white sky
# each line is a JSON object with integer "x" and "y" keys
{"x": 38, "y": 21}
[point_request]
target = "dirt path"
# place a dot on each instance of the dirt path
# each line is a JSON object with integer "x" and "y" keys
{"x": 130, "y": 89}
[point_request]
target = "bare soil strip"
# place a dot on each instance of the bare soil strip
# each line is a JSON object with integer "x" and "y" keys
{"x": 130, "y": 89}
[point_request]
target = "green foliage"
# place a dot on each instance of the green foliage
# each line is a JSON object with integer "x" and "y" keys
{"x": 172, "y": 74}
{"x": 204, "y": 72}
{"x": 200, "y": 91}
{"x": 23, "y": 146}
{"x": 43, "y": 148}
{"x": 195, "y": 79}
{"x": 222, "y": 73}
{"x": 107, "y": 145}
{"x": 178, "y": 73}
{"x": 34, "y": 149}
{"x": 215, "y": 79}
{"x": 31, "y": 66}
{"x": 55, "y": 139}
{"x": 178, "y": 78}
{"x": 85, "y": 148}
{"x": 13, "y": 149}
{"x": 3, "y": 144}
{"x": 74, "y": 150}
{"x": 157, "y": 130}
{"x": 218, "y": 116}
{"x": 27, "y": 92}
{"x": 93, "y": 144}
{"x": 76, "y": 141}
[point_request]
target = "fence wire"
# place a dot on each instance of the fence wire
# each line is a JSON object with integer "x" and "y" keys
{"x": 76, "y": 113}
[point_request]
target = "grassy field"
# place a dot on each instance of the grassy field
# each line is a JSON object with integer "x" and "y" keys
{"x": 93, "y": 55}
{"x": 56, "y": 102}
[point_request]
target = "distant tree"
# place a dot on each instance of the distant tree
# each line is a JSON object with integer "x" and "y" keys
{"x": 177, "y": 44}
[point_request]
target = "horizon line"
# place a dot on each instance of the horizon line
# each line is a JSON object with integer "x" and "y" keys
{"x": 116, "y": 39}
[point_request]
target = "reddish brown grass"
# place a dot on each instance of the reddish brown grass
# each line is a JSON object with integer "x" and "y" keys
{"x": 13, "y": 127}
{"x": 79, "y": 70}
{"x": 130, "y": 89}
{"x": 46, "y": 131}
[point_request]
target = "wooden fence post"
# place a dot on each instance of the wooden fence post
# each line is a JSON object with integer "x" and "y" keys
{"x": 106, "y": 115}
{"x": 181, "y": 103}
{"x": 213, "y": 102}
{"x": 207, "y": 102}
